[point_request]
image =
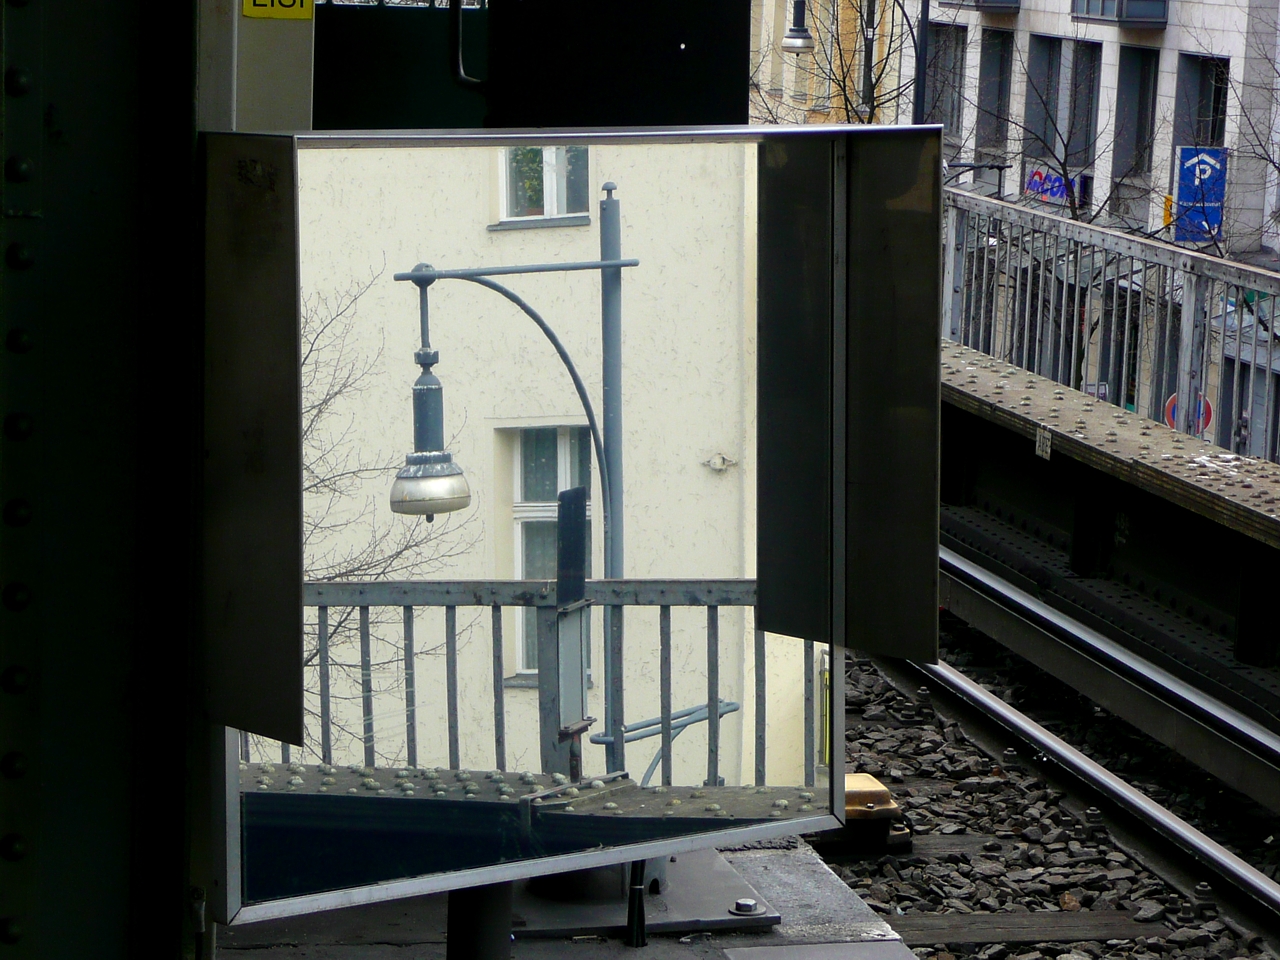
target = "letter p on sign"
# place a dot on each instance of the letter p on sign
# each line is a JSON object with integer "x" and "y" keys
{"x": 278, "y": 9}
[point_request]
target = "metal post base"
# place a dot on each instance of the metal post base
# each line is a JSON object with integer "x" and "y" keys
{"x": 635, "y": 908}
{"x": 480, "y": 923}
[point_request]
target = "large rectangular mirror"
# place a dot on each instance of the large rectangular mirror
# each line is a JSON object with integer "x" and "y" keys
{"x": 527, "y": 466}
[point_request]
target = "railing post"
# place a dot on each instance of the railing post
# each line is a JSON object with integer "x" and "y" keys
{"x": 410, "y": 696}
{"x": 713, "y": 696}
{"x": 809, "y": 759}
{"x": 366, "y": 686}
{"x": 615, "y": 755}
{"x": 664, "y": 654}
{"x": 451, "y": 682}
{"x": 761, "y": 707}
{"x": 326, "y": 717}
{"x": 949, "y": 237}
{"x": 499, "y": 704}
{"x": 553, "y": 754}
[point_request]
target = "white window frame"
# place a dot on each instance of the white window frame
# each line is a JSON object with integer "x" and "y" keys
{"x": 554, "y": 187}
{"x": 523, "y": 511}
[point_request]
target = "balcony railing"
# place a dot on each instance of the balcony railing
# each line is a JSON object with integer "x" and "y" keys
{"x": 1134, "y": 322}
{"x": 369, "y": 607}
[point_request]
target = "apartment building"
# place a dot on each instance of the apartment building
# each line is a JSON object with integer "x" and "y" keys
{"x": 1074, "y": 106}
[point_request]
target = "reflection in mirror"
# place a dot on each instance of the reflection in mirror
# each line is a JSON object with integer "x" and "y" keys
{"x": 474, "y": 695}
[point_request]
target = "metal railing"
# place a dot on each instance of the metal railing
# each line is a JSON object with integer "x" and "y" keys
{"x": 361, "y": 606}
{"x": 1134, "y": 322}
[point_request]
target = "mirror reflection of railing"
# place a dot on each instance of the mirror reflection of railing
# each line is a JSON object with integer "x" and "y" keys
{"x": 360, "y": 598}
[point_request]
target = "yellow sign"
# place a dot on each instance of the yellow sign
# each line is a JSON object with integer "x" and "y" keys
{"x": 278, "y": 9}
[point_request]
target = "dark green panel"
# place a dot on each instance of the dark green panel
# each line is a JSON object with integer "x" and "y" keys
{"x": 794, "y": 327}
{"x": 894, "y": 275}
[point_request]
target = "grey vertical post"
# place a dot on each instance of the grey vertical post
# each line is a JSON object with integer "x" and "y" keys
{"x": 809, "y": 759}
{"x": 761, "y": 719}
{"x": 410, "y": 696}
{"x": 615, "y": 756}
{"x": 952, "y": 264}
{"x": 451, "y": 681}
{"x": 922, "y": 57}
{"x": 244, "y": 745}
{"x": 611, "y": 349}
{"x": 1189, "y": 351}
{"x": 553, "y": 754}
{"x": 611, "y": 380}
{"x": 713, "y": 696}
{"x": 664, "y": 654}
{"x": 366, "y": 686}
{"x": 326, "y": 715}
{"x": 284, "y": 752}
{"x": 499, "y": 705}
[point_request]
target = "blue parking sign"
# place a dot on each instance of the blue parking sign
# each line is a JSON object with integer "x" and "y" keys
{"x": 1202, "y": 186}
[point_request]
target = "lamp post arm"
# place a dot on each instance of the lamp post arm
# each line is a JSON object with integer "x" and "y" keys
{"x": 578, "y": 385}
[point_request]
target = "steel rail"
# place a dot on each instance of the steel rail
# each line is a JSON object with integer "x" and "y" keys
{"x": 1183, "y": 695}
{"x": 1171, "y": 827}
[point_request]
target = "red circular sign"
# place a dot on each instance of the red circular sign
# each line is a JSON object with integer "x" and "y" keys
{"x": 1204, "y": 413}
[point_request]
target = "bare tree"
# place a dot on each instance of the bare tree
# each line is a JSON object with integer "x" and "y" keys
{"x": 343, "y": 536}
{"x": 853, "y": 74}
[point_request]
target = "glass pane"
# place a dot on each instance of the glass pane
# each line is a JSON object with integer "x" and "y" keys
{"x": 538, "y": 558}
{"x": 524, "y": 182}
{"x": 1085, "y": 73}
{"x": 538, "y": 465}
{"x": 580, "y": 458}
{"x": 577, "y": 188}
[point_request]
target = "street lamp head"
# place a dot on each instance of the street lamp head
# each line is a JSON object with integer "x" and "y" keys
{"x": 798, "y": 39}
{"x": 429, "y": 483}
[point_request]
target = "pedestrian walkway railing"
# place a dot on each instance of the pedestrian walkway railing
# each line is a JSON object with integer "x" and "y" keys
{"x": 1134, "y": 322}
{"x": 374, "y": 614}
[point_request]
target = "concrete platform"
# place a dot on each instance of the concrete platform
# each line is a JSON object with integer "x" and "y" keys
{"x": 1241, "y": 493}
{"x": 817, "y": 910}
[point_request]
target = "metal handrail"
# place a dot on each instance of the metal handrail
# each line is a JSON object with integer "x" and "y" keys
{"x": 1133, "y": 321}
{"x": 351, "y": 603}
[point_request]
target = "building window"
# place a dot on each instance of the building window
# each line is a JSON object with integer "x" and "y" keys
{"x": 542, "y": 183}
{"x": 995, "y": 73}
{"x": 1135, "y": 111}
{"x": 1086, "y": 71}
{"x": 1041, "y": 133}
{"x": 550, "y": 459}
{"x": 944, "y": 77}
{"x": 1200, "y": 111}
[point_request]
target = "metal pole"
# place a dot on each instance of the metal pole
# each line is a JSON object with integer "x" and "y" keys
{"x": 611, "y": 347}
{"x": 366, "y": 687}
{"x": 326, "y": 719}
{"x": 410, "y": 691}
{"x": 922, "y": 57}
{"x": 868, "y": 57}
{"x": 499, "y": 707}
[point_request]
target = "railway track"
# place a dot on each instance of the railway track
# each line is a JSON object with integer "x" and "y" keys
{"x": 1163, "y": 703}
{"x": 1005, "y": 860}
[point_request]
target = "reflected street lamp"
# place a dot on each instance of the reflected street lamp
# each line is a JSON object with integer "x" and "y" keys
{"x": 432, "y": 483}
{"x": 429, "y": 482}
{"x": 797, "y": 39}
